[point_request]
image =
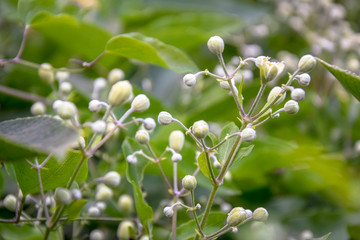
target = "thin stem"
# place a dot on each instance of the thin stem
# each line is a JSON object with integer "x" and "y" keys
{"x": 174, "y": 220}
{"x": 221, "y": 231}
{"x": 223, "y": 141}
{"x": 92, "y": 63}
{"x": 41, "y": 188}
{"x": 187, "y": 131}
{"x": 222, "y": 63}
{"x": 175, "y": 178}
{"x": 257, "y": 99}
{"x": 23, "y": 41}
{"x": 194, "y": 212}
{"x": 212, "y": 175}
{"x": 234, "y": 93}
{"x": 24, "y": 95}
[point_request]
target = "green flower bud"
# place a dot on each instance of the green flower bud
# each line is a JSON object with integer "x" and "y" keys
{"x": 142, "y": 136}
{"x": 125, "y": 203}
{"x": 164, "y": 118}
{"x": 307, "y": 63}
{"x": 66, "y": 110}
{"x": 98, "y": 127}
{"x": 10, "y": 202}
{"x": 38, "y": 108}
{"x": 46, "y": 73}
{"x": 103, "y": 193}
{"x": 291, "y": 107}
{"x": 120, "y": 92}
{"x": 216, "y": 45}
{"x": 189, "y": 182}
{"x": 274, "y": 93}
{"x": 200, "y": 129}
{"x": 298, "y": 94}
{"x": 93, "y": 211}
{"x": 115, "y": 75}
{"x": 249, "y": 213}
{"x": 124, "y": 230}
{"x": 112, "y": 179}
{"x": 236, "y": 216}
{"x": 271, "y": 71}
{"x": 65, "y": 87}
{"x": 168, "y": 211}
{"x": 248, "y": 134}
{"x": 189, "y": 79}
{"x": 140, "y": 103}
{"x": 260, "y": 214}
{"x": 176, "y": 140}
{"x": 97, "y": 235}
{"x": 62, "y": 195}
{"x": 304, "y": 79}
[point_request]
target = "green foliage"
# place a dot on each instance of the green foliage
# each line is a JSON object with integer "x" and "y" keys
{"x": 203, "y": 165}
{"x": 225, "y": 148}
{"x": 75, "y": 208}
{"x": 27, "y": 9}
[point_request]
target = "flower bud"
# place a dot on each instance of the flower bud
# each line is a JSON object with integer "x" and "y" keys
{"x": 62, "y": 76}
{"x": 236, "y": 216}
{"x": 200, "y": 129}
{"x": 98, "y": 127}
{"x": 164, "y": 118}
{"x": 103, "y": 193}
{"x": 125, "y": 203}
{"x": 131, "y": 159}
{"x": 99, "y": 84}
{"x": 101, "y": 205}
{"x": 76, "y": 194}
{"x": 142, "y": 136}
{"x": 260, "y": 214}
{"x": 176, "y": 140}
{"x": 94, "y": 105}
{"x": 270, "y": 71}
{"x": 225, "y": 85}
{"x": 249, "y": 213}
{"x": 274, "y": 93}
{"x": 120, "y": 92}
{"x": 81, "y": 142}
{"x": 145, "y": 237}
{"x": 140, "y": 103}
{"x": 149, "y": 124}
{"x": 10, "y": 202}
{"x": 259, "y": 60}
{"x": 248, "y": 134}
{"x": 46, "y": 73}
{"x": 216, "y": 45}
{"x": 297, "y": 94}
{"x": 189, "y": 79}
{"x": 62, "y": 195}
{"x": 56, "y": 104}
{"x": 124, "y": 230}
{"x": 307, "y": 63}
{"x": 168, "y": 211}
{"x": 291, "y": 107}
{"x": 38, "y": 108}
{"x": 93, "y": 211}
{"x": 66, "y": 110}
{"x": 176, "y": 157}
{"x": 65, "y": 87}
{"x": 304, "y": 79}
{"x": 112, "y": 179}
{"x": 189, "y": 182}
{"x": 115, "y": 75}
{"x": 97, "y": 235}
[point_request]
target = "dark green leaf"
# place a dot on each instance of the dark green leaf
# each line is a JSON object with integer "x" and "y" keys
{"x": 203, "y": 165}
{"x": 75, "y": 208}
{"x": 243, "y": 152}
{"x": 27, "y": 9}
{"x": 225, "y": 148}
{"x": 26, "y": 137}
{"x": 150, "y": 50}
{"x": 56, "y": 173}
{"x": 349, "y": 80}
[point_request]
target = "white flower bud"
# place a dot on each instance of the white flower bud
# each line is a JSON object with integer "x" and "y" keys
{"x": 98, "y": 127}
{"x": 131, "y": 159}
{"x": 307, "y": 63}
{"x": 99, "y": 84}
{"x": 260, "y": 214}
{"x": 76, "y": 194}
{"x": 46, "y": 73}
{"x": 249, "y": 213}
{"x": 62, "y": 76}
{"x": 142, "y": 136}
{"x": 189, "y": 79}
{"x": 10, "y": 202}
{"x": 271, "y": 71}
{"x": 176, "y": 140}
{"x": 120, "y": 92}
{"x": 291, "y": 107}
{"x": 297, "y": 94}
{"x": 101, "y": 205}
{"x": 65, "y": 87}
{"x": 93, "y": 211}
{"x": 216, "y": 45}
{"x": 145, "y": 237}
{"x": 56, "y": 104}
{"x": 115, "y": 75}
{"x": 248, "y": 134}
{"x": 164, "y": 118}
{"x": 140, "y": 103}
{"x": 38, "y": 108}
{"x": 259, "y": 60}
{"x": 168, "y": 211}
{"x": 112, "y": 179}
{"x": 94, "y": 105}
{"x": 225, "y": 85}
{"x": 63, "y": 195}
{"x": 123, "y": 231}
{"x": 97, "y": 235}
{"x": 304, "y": 79}
{"x": 189, "y": 182}
{"x": 236, "y": 216}
{"x": 274, "y": 93}
{"x": 125, "y": 203}
{"x": 103, "y": 193}
{"x": 200, "y": 129}
{"x": 149, "y": 124}
{"x": 66, "y": 110}
{"x": 176, "y": 157}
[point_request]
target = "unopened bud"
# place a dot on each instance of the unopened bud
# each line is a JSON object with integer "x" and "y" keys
{"x": 66, "y": 110}
{"x": 307, "y": 63}
{"x": 63, "y": 195}
{"x": 236, "y": 216}
{"x": 304, "y": 79}
{"x": 99, "y": 84}
{"x": 298, "y": 94}
{"x": 10, "y": 202}
{"x": 98, "y": 127}
{"x": 115, "y": 75}
{"x": 189, "y": 79}
{"x": 176, "y": 157}
{"x": 112, "y": 179}
{"x": 145, "y": 237}
{"x": 142, "y": 136}
{"x": 216, "y": 45}
{"x": 81, "y": 142}
{"x": 46, "y": 73}
{"x": 94, "y": 105}
{"x": 200, "y": 129}
{"x": 225, "y": 85}
{"x": 125, "y": 203}
{"x": 124, "y": 230}
{"x": 93, "y": 211}
{"x": 149, "y": 124}
{"x": 260, "y": 214}
{"x": 168, "y": 211}
{"x": 291, "y": 107}
{"x": 189, "y": 182}
{"x": 38, "y": 108}
{"x": 259, "y": 60}
{"x": 248, "y": 134}
{"x": 274, "y": 93}
{"x": 140, "y": 103}
{"x": 65, "y": 87}
{"x": 164, "y": 118}
{"x": 131, "y": 159}
{"x": 97, "y": 235}
{"x": 103, "y": 193}
{"x": 249, "y": 213}
{"x": 76, "y": 194}
{"x": 62, "y": 76}
{"x": 176, "y": 140}
{"x": 101, "y": 205}
{"x": 120, "y": 92}
{"x": 56, "y": 104}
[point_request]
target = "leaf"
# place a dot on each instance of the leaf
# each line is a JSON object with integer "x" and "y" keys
{"x": 56, "y": 173}
{"x": 150, "y": 50}
{"x": 349, "y": 80}
{"x": 321, "y": 238}
{"x": 27, "y": 9}
{"x": 242, "y": 153}
{"x": 213, "y": 138}
{"x": 134, "y": 175}
{"x": 27, "y": 137}
{"x": 203, "y": 165}
{"x": 24, "y": 232}
{"x": 75, "y": 208}
{"x": 225, "y": 148}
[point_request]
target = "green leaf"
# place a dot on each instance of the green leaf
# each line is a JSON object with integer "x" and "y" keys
{"x": 24, "y": 232}
{"x": 242, "y": 153}
{"x": 225, "y": 148}
{"x": 321, "y": 238}
{"x": 349, "y": 80}
{"x": 134, "y": 175}
{"x": 26, "y": 137}
{"x": 150, "y": 50}
{"x": 56, "y": 173}
{"x": 27, "y": 9}
{"x": 203, "y": 165}
{"x": 75, "y": 208}
{"x": 213, "y": 138}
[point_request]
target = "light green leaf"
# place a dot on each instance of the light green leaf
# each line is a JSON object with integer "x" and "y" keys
{"x": 242, "y": 153}
{"x": 321, "y": 238}
{"x": 203, "y": 165}
{"x": 349, "y": 80}
{"x": 56, "y": 173}
{"x": 225, "y": 148}
{"x": 213, "y": 138}
{"x": 23, "y": 232}
{"x": 27, "y": 9}
{"x": 150, "y": 50}
{"x": 74, "y": 210}
{"x": 27, "y": 137}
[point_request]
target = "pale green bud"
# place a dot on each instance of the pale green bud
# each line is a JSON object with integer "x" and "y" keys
{"x": 189, "y": 79}
{"x": 66, "y": 110}
{"x": 46, "y": 73}
{"x": 189, "y": 182}
{"x": 112, "y": 179}
{"x": 164, "y": 118}
{"x": 248, "y": 134}
{"x": 93, "y": 211}
{"x": 98, "y": 127}
{"x": 38, "y": 108}
{"x": 298, "y": 94}
{"x": 145, "y": 237}
{"x": 115, "y": 75}
{"x": 176, "y": 157}
{"x": 56, "y": 104}
{"x": 149, "y": 124}
{"x": 274, "y": 93}
{"x": 132, "y": 159}
{"x": 125, "y": 203}
{"x": 176, "y": 140}
{"x": 249, "y": 213}
{"x": 97, "y": 235}
{"x": 168, "y": 211}
{"x": 124, "y": 230}
{"x": 76, "y": 194}
{"x": 142, "y": 136}
{"x": 260, "y": 214}
{"x": 94, "y": 105}
{"x": 62, "y": 76}
{"x": 291, "y": 107}
{"x": 10, "y": 202}
{"x": 63, "y": 195}
{"x": 236, "y": 216}
{"x": 65, "y": 87}
{"x": 216, "y": 45}
{"x": 120, "y": 92}
{"x": 140, "y": 103}
{"x": 259, "y": 60}
{"x": 200, "y": 129}
{"x": 304, "y": 79}
{"x": 103, "y": 193}
{"x": 307, "y": 63}
{"x": 271, "y": 71}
